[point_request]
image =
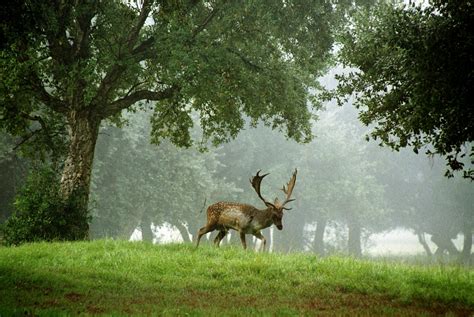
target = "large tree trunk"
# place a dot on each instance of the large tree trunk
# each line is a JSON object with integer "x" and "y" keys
{"x": 318, "y": 243}
{"x": 76, "y": 176}
{"x": 354, "y": 245}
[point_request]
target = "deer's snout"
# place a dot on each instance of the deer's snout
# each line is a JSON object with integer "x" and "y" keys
{"x": 279, "y": 227}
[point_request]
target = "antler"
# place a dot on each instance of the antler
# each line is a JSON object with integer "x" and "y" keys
{"x": 289, "y": 189}
{"x": 256, "y": 181}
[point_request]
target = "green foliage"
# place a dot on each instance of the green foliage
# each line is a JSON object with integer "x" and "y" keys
{"x": 84, "y": 62}
{"x": 412, "y": 77}
{"x": 123, "y": 278}
{"x": 41, "y": 214}
{"x": 220, "y": 59}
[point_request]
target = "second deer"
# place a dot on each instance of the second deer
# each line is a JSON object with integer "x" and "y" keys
{"x": 247, "y": 219}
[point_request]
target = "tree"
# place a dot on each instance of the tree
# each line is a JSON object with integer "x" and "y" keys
{"x": 84, "y": 62}
{"x": 413, "y": 77}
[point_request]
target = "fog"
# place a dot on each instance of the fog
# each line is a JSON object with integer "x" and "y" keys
{"x": 352, "y": 196}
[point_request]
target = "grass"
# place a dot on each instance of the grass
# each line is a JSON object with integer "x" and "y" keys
{"x": 128, "y": 278}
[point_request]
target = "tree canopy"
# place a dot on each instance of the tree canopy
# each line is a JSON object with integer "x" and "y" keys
{"x": 78, "y": 63}
{"x": 412, "y": 75}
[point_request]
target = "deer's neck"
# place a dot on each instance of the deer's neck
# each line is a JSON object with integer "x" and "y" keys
{"x": 264, "y": 218}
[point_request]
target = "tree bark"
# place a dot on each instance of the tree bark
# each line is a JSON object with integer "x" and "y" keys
{"x": 83, "y": 129}
{"x": 354, "y": 245}
{"x": 318, "y": 244}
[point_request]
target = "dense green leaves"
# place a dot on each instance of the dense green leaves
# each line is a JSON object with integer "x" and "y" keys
{"x": 77, "y": 64}
{"x": 414, "y": 77}
{"x": 41, "y": 214}
{"x": 221, "y": 59}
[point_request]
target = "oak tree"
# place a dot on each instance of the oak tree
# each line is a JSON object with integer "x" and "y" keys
{"x": 83, "y": 62}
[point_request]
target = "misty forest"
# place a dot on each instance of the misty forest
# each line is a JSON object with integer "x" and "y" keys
{"x": 318, "y": 152}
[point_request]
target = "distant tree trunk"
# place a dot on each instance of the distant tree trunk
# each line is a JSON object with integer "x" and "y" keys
{"x": 183, "y": 231}
{"x": 467, "y": 232}
{"x": 318, "y": 244}
{"x": 83, "y": 129}
{"x": 127, "y": 230}
{"x": 444, "y": 243}
{"x": 145, "y": 225}
{"x": 355, "y": 231}
{"x": 422, "y": 240}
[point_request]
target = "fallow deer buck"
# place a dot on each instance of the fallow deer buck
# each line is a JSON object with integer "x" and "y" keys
{"x": 244, "y": 218}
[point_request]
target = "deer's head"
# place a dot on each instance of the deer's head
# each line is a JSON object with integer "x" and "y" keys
{"x": 277, "y": 207}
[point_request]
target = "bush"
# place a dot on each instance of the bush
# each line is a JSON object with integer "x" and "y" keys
{"x": 42, "y": 215}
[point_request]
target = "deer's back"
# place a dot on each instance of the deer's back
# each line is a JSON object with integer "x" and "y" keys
{"x": 230, "y": 214}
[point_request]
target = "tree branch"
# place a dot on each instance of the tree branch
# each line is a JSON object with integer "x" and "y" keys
{"x": 142, "y": 51}
{"x": 24, "y": 140}
{"x": 44, "y": 130}
{"x": 114, "y": 73}
{"x": 61, "y": 49}
{"x": 125, "y": 102}
{"x": 46, "y": 98}
{"x": 135, "y": 31}
{"x": 245, "y": 60}
{"x": 81, "y": 41}
{"x": 204, "y": 23}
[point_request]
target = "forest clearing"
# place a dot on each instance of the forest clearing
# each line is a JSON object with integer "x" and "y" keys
{"x": 107, "y": 277}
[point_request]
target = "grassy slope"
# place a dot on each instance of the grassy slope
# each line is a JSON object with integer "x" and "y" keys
{"x": 117, "y": 277}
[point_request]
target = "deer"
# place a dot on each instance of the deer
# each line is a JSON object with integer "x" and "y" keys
{"x": 245, "y": 218}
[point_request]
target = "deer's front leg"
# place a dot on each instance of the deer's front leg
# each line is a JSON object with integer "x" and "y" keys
{"x": 242, "y": 239}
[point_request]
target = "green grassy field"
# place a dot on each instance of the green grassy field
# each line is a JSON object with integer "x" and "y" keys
{"x": 129, "y": 278}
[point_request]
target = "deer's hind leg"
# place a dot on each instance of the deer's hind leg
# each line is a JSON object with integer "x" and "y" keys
{"x": 242, "y": 239}
{"x": 219, "y": 237}
{"x": 207, "y": 228}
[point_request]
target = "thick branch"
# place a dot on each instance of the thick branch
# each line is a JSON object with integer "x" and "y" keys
{"x": 135, "y": 31}
{"x": 116, "y": 71}
{"x": 127, "y": 101}
{"x": 107, "y": 84}
{"x": 61, "y": 49}
{"x": 143, "y": 51}
{"x": 84, "y": 20}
